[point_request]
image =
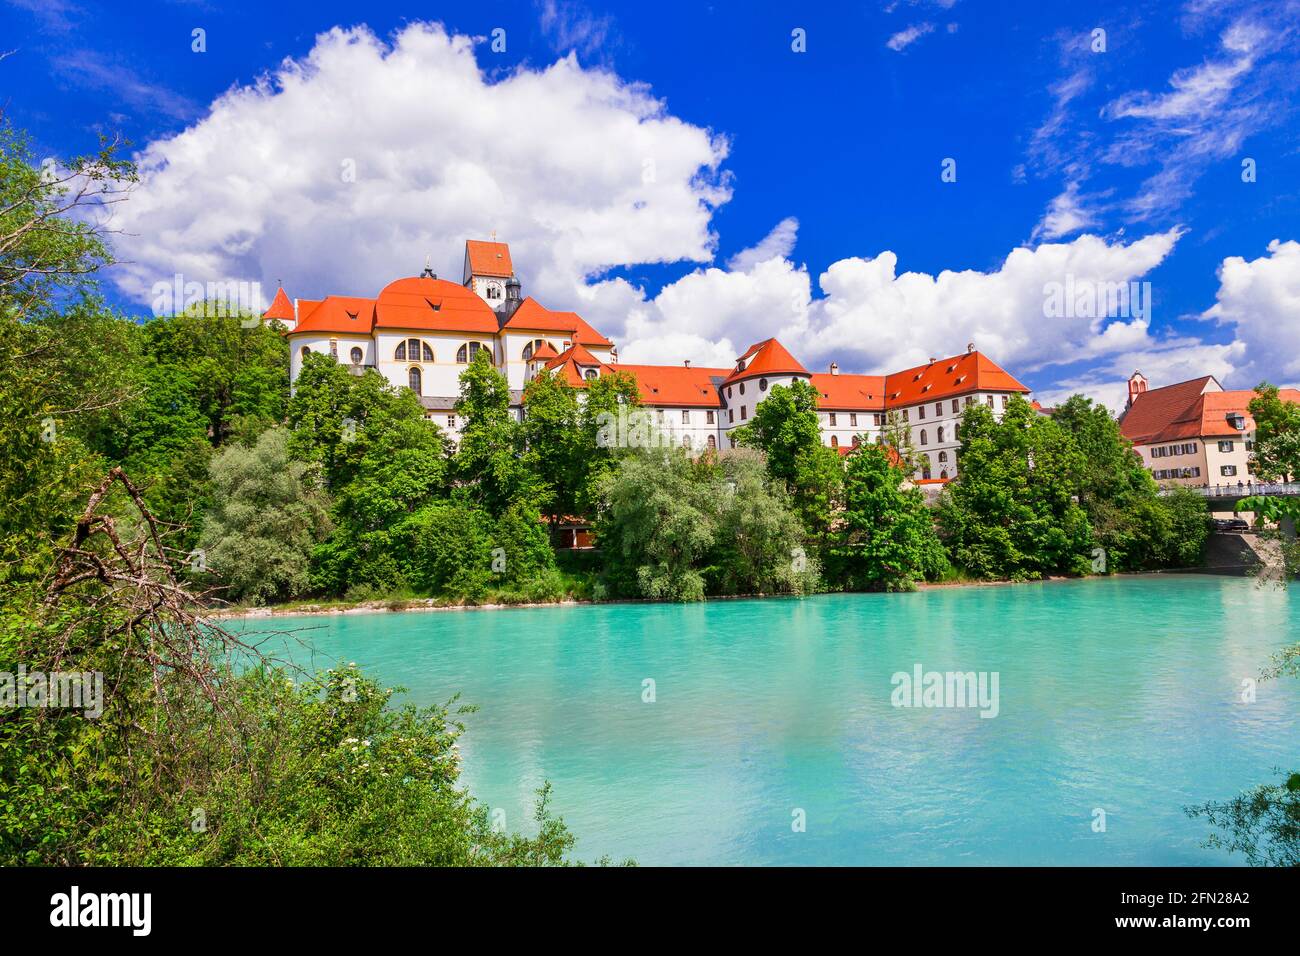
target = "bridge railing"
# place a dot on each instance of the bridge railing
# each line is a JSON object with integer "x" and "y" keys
{"x": 1244, "y": 489}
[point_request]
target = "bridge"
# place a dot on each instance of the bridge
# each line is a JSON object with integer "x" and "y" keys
{"x": 1224, "y": 497}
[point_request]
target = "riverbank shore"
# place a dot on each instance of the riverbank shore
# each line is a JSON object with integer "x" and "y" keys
{"x": 334, "y": 608}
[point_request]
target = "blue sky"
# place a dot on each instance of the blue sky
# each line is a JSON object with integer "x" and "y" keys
{"x": 691, "y": 182}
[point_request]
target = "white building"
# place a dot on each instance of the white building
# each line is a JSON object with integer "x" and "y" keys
{"x": 421, "y": 332}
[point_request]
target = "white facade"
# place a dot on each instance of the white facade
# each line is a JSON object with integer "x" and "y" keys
{"x": 430, "y": 361}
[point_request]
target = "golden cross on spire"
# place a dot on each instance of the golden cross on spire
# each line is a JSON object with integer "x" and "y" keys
{"x": 494, "y": 235}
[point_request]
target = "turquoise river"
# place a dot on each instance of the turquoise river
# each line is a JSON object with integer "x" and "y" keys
{"x": 1121, "y": 695}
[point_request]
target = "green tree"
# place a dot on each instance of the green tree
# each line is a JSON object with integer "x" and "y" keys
{"x": 1011, "y": 512}
{"x": 1277, "y": 434}
{"x": 887, "y": 539}
{"x": 785, "y": 427}
{"x": 1135, "y": 525}
{"x": 758, "y": 548}
{"x": 268, "y": 514}
{"x": 382, "y": 461}
{"x": 557, "y": 453}
{"x": 489, "y": 460}
{"x": 897, "y": 435}
{"x": 656, "y": 525}
{"x": 606, "y": 396}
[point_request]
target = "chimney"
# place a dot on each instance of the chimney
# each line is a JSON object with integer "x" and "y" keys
{"x": 933, "y": 360}
{"x": 835, "y": 368}
{"x": 687, "y": 363}
{"x": 970, "y": 347}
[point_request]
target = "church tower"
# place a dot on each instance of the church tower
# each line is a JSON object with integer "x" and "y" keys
{"x": 488, "y": 271}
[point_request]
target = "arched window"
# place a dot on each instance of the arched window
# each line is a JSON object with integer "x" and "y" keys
{"x": 713, "y": 441}
{"x": 938, "y": 438}
{"x": 762, "y": 385}
{"x": 467, "y": 351}
{"x": 686, "y": 441}
{"x": 943, "y": 456}
{"x": 923, "y": 438}
{"x": 413, "y": 350}
{"x": 356, "y": 355}
{"x": 944, "y": 473}
{"x": 835, "y": 442}
{"x": 925, "y": 468}
{"x": 413, "y": 379}
{"x": 532, "y": 347}
{"x": 857, "y": 440}
{"x": 494, "y": 291}
{"x": 591, "y": 373}
{"x": 305, "y": 351}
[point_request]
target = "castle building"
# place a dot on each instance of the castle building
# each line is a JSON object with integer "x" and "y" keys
{"x": 421, "y": 332}
{"x": 1193, "y": 433}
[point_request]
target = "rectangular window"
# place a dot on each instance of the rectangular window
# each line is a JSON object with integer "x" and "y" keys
{"x": 731, "y": 417}
{"x": 956, "y": 406}
{"x": 708, "y": 417}
{"x": 853, "y": 419}
{"x": 938, "y": 409}
{"x": 1225, "y": 446}
{"x": 744, "y": 413}
{"x": 1250, "y": 444}
{"x": 920, "y": 412}
{"x": 451, "y": 421}
{"x": 1228, "y": 471}
{"x": 832, "y": 419}
{"x": 686, "y": 417}
{"x": 877, "y": 418}
{"x": 989, "y": 399}
{"x": 970, "y": 399}
{"x": 905, "y": 414}
{"x": 1006, "y": 400}
{"x": 334, "y": 349}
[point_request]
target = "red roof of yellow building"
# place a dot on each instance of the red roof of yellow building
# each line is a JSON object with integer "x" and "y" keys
{"x": 1196, "y": 408}
{"x": 489, "y": 258}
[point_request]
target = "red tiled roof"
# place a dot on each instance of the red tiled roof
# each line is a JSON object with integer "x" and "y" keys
{"x": 676, "y": 385}
{"x": 336, "y": 313}
{"x": 850, "y": 392}
{"x": 433, "y": 304}
{"x": 545, "y": 351}
{"x": 1163, "y": 414}
{"x": 1188, "y": 410}
{"x": 943, "y": 378}
{"x": 768, "y": 357}
{"x": 488, "y": 258}
{"x": 571, "y": 363}
{"x": 281, "y": 308}
{"x": 531, "y": 316}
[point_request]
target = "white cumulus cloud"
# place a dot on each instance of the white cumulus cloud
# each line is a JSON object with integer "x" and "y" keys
{"x": 345, "y": 169}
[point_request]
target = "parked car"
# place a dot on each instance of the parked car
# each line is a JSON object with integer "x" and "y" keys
{"x": 1230, "y": 524}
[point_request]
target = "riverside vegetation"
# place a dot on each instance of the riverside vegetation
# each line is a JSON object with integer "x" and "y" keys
{"x": 153, "y": 469}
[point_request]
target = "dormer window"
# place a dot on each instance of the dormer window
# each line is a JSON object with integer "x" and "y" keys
{"x": 1237, "y": 421}
{"x": 591, "y": 373}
